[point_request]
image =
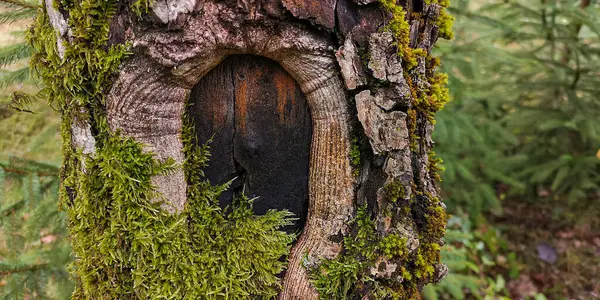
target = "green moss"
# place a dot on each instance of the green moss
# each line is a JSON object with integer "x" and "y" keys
{"x": 128, "y": 246}
{"x": 431, "y": 221}
{"x": 395, "y": 191}
{"x": 430, "y": 100}
{"x": 443, "y": 3}
{"x": 445, "y": 20}
{"x": 140, "y": 7}
{"x": 401, "y": 29}
{"x": 436, "y": 219}
{"x": 393, "y": 246}
{"x": 436, "y": 96}
{"x": 355, "y": 156}
{"x": 125, "y": 243}
{"x": 405, "y": 273}
{"x": 80, "y": 78}
{"x": 433, "y": 166}
{"x": 411, "y": 122}
{"x": 348, "y": 275}
{"x": 340, "y": 277}
{"x": 428, "y": 255}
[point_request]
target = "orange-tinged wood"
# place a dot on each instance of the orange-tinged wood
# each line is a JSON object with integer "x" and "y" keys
{"x": 262, "y": 132}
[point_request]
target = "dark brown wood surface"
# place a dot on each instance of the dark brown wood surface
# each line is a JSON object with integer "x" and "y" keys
{"x": 262, "y": 133}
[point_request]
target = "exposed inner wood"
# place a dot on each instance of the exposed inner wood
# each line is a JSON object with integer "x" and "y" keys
{"x": 171, "y": 63}
{"x": 261, "y": 131}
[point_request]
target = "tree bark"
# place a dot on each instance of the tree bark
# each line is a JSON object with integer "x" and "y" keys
{"x": 369, "y": 101}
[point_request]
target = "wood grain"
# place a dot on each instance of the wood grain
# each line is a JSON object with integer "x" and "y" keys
{"x": 261, "y": 128}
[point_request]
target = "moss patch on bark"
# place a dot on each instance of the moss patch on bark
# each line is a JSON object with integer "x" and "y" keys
{"x": 126, "y": 245}
{"x": 383, "y": 265}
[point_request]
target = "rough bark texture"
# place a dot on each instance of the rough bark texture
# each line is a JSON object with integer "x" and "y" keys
{"x": 338, "y": 54}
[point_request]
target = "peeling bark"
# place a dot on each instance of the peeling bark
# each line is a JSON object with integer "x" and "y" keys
{"x": 322, "y": 12}
{"x": 350, "y": 64}
{"x": 386, "y": 131}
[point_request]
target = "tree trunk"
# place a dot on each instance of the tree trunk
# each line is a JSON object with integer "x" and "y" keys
{"x": 324, "y": 108}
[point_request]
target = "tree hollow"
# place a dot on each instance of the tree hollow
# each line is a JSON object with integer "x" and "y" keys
{"x": 260, "y": 126}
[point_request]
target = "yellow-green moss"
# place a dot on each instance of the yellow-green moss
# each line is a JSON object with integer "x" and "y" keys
{"x": 128, "y": 245}
{"x": 340, "y": 277}
{"x": 432, "y": 99}
{"x": 140, "y": 7}
{"x": 428, "y": 255}
{"x": 393, "y": 246}
{"x": 433, "y": 166}
{"x": 400, "y": 27}
{"x": 411, "y": 123}
{"x": 436, "y": 219}
{"x": 436, "y": 96}
{"x": 432, "y": 227}
{"x": 445, "y": 20}
{"x": 348, "y": 275}
{"x": 394, "y": 191}
{"x": 355, "y": 156}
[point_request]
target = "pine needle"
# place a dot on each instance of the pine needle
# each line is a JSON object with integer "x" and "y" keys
{"x": 21, "y": 102}
{"x": 14, "y": 77}
{"x": 8, "y": 17}
{"x": 22, "y": 4}
{"x": 14, "y": 53}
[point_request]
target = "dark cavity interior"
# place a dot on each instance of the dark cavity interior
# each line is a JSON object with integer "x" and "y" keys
{"x": 262, "y": 133}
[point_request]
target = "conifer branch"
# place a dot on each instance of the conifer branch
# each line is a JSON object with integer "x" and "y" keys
{"x": 22, "y": 269}
{"x": 13, "y": 53}
{"x": 20, "y": 3}
{"x": 8, "y": 17}
{"x": 40, "y": 174}
{"x": 21, "y": 101}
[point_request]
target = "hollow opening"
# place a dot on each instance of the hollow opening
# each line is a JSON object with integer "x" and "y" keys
{"x": 417, "y": 6}
{"x": 261, "y": 132}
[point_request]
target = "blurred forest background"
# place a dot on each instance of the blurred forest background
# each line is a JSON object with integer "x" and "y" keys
{"x": 520, "y": 144}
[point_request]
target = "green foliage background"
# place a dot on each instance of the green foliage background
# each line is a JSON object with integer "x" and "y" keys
{"x": 34, "y": 249}
{"x": 522, "y": 123}
{"x": 524, "y": 78}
